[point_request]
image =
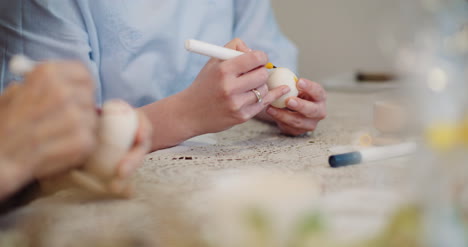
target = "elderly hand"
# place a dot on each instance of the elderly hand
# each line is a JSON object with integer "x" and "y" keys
{"x": 304, "y": 112}
{"x": 117, "y": 180}
{"x": 48, "y": 124}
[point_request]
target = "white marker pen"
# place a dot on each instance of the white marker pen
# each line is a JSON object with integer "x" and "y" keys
{"x": 219, "y": 52}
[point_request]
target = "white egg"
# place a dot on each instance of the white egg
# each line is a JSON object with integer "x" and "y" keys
{"x": 117, "y": 129}
{"x": 279, "y": 77}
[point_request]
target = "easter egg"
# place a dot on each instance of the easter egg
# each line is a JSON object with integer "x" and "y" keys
{"x": 279, "y": 77}
{"x": 117, "y": 129}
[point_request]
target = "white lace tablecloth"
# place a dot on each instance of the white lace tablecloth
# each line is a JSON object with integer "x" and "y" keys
{"x": 171, "y": 182}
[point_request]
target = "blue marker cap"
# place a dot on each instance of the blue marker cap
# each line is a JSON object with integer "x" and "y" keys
{"x": 346, "y": 159}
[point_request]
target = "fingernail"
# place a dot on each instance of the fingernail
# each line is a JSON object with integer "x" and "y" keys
{"x": 272, "y": 111}
{"x": 292, "y": 103}
{"x": 302, "y": 84}
{"x": 285, "y": 90}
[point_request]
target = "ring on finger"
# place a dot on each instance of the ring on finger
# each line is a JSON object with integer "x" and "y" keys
{"x": 258, "y": 95}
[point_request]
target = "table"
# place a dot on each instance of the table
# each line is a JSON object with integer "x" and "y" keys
{"x": 175, "y": 200}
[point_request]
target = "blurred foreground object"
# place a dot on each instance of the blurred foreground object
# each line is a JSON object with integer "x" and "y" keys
{"x": 117, "y": 130}
{"x": 438, "y": 85}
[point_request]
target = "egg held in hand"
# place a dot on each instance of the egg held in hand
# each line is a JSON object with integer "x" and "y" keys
{"x": 279, "y": 77}
{"x": 117, "y": 129}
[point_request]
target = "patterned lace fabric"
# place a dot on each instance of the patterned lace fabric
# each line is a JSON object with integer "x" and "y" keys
{"x": 171, "y": 181}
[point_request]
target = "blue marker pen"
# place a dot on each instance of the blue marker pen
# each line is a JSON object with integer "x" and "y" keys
{"x": 371, "y": 154}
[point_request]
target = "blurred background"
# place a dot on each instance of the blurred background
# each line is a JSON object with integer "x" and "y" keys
{"x": 337, "y": 36}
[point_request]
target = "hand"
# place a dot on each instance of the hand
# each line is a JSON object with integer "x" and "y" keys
{"x": 221, "y": 95}
{"x": 304, "y": 112}
{"x": 134, "y": 158}
{"x": 48, "y": 124}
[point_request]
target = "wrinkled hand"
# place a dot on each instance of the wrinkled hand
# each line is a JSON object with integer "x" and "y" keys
{"x": 48, "y": 124}
{"x": 304, "y": 112}
{"x": 221, "y": 95}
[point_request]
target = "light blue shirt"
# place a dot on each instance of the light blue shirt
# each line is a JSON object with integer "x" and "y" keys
{"x": 135, "y": 48}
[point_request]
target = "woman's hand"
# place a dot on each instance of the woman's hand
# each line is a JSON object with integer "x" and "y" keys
{"x": 221, "y": 96}
{"x": 48, "y": 124}
{"x": 304, "y": 112}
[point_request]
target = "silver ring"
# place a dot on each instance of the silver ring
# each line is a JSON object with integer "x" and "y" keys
{"x": 258, "y": 94}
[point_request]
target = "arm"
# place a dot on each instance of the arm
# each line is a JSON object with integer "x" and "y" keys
{"x": 219, "y": 98}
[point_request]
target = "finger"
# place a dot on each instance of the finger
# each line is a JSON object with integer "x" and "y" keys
{"x": 69, "y": 93}
{"x": 140, "y": 148}
{"x": 293, "y": 119}
{"x": 121, "y": 187}
{"x": 76, "y": 73}
{"x": 72, "y": 72}
{"x": 312, "y": 89}
{"x": 250, "y": 97}
{"x": 13, "y": 177}
{"x": 81, "y": 115}
{"x": 11, "y": 91}
{"x": 238, "y": 44}
{"x": 65, "y": 154}
{"x": 251, "y": 80}
{"x": 62, "y": 79}
{"x": 244, "y": 63}
{"x": 80, "y": 97}
{"x": 84, "y": 98}
{"x": 275, "y": 94}
{"x": 81, "y": 93}
{"x": 129, "y": 190}
{"x": 307, "y": 108}
{"x": 132, "y": 160}
{"x": 57, "y": 124}
{"x": 92, "y": 121}
{"x": 144, "y": 132}
{"x": 291, "y": 131}
{"x": 72, "y": 138}
{"x": 39, "y": 80}
{"x": 271, "y": 96}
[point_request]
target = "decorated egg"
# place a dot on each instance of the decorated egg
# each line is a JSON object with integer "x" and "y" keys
{"x": 279, "y": 77}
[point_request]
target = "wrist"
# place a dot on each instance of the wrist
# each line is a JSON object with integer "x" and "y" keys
{"x": 191, "y": 119}
{"x": 172, "y": 121}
